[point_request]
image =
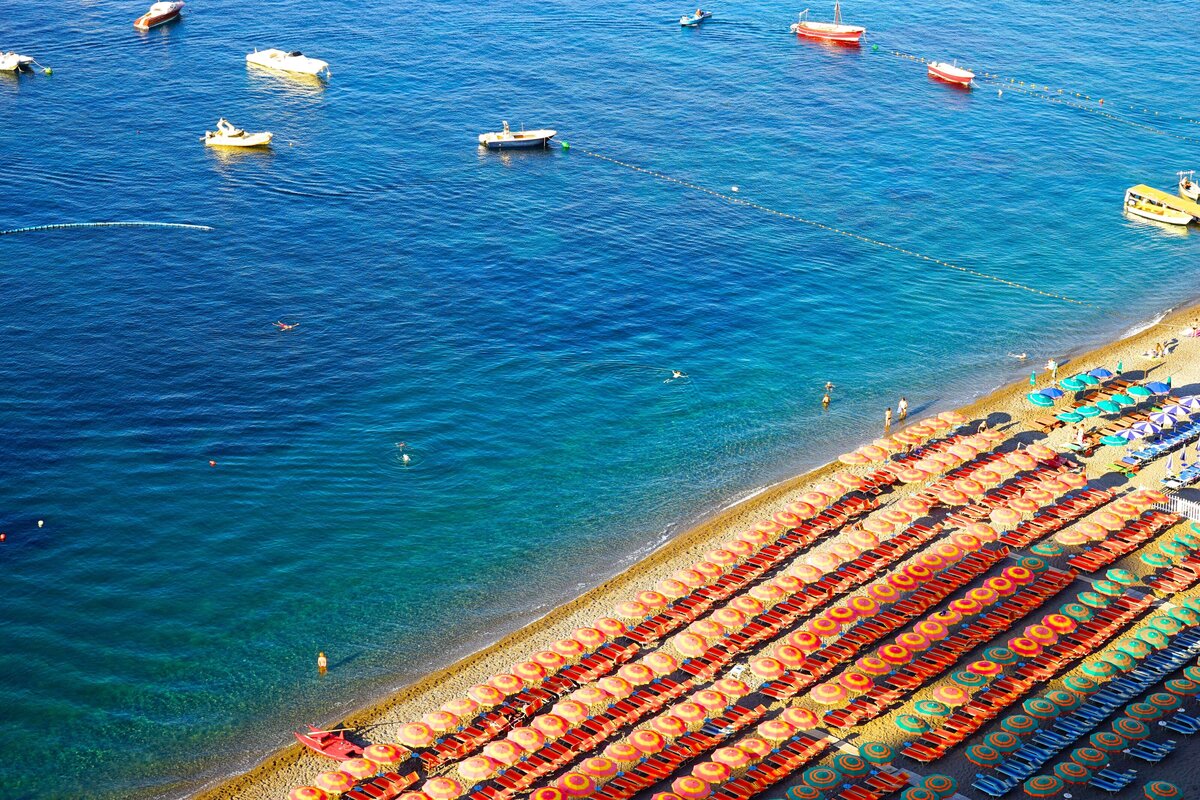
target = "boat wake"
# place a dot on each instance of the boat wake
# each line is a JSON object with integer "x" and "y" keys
{"x": 65, "y": 225}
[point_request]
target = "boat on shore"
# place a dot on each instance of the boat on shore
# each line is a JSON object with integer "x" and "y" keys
{"x": 226, "y": 135}
{"x": 950, "y": 73}
{"x": 1159, "y": 206}
{"x": 159, "y": 14}
{"x": 288, "y": 61}
{"x": 331, "y": 744}
{"x": 507, "y": 139}
{"x": 693, "y": 20}
{"x": 1188, "y": 187}
{"x": 15, "y": 62}
{"x": 828, "y": 31}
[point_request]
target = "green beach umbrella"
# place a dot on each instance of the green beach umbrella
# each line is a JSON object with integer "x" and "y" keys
{"x": 1164, "y": 700}
{"x": 1094, "y": 600}
{"x": 1121, "y": 660}
{"x": 851, "y": 766}
{"x": 1020, "y": 724}
{"x": 1076, "y": 612}
{"x": 940, "y": 785}
{"x": 1080, "y": 684}
{"x": 1001, "y": 655}
{"x": 1099, "y": 669}
{"x": 1188, "y": 540}
{"x": 1049, "y": 548}
{"x": 1072, "y": 384}
{"x": 969, "y": 679}
{"x": 1087, "y": 379}
{"x": 1090, "y": 757}
{"x": 1156, "y": 560}
{"x": 918, "y": 793}
{"x": 1192, "y": 673}
{"x": 802, "y": 791}
{"x": 911, "y": 723}
{"x": 1143, "y": 711}
{"x": 1035, "y": 565}
{"x": 1114, "y": 441}
{"x": 931, "y": 708}
{"x": 1182, "y": 687}
{"x": 1063, "y": 700}
{"x": 1138, "y": 391}
{"x": 876, "y": 752}
{"x": 1069, "y": 416}
{"x": 1121, "y": 576}
{"x": 1002, "y": 741}
{"x": 1040, "y": 708}
{"x": 982, "y": 755}
{"x": 1161, "y": 790}
{"x": 1123, "y": 400}
{"x": 1155, "y": 638}
{"x": 1038, "y": 399}
{"x": 1043, "y": 786}
{"x": 1193, "y": 604}
{"x": 1087, "y": 412}
{"x": 822, "y": 777}
{"x": 1108, "y": 741}
{"x": 1108, "y": 588}
{"x": 1166, "y": 624}
{"x": 1070, "y": 772}
{"x": 1108, "y": 407}
{"x": 1174, "y": 549}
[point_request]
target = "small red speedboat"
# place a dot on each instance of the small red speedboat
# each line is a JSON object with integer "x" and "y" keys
{"x": 951, "y": 73}
{"x": 159, "y": 14}
{"x": 332, "y": 744}
{"x": 828, "y": 31}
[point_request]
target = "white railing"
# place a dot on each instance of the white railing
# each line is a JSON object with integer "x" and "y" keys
{"x": 1178, "y": 505}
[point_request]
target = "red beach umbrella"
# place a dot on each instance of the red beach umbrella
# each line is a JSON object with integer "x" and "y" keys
{"x": 1041, "y": 634}
{"x": 335, "y": 781}
{"x": 709, "y": 570}
{"x": 896, "y": 516}
{"x": 767, "y": 593}
{"x": 610, "y": 627}
{"x": 417, "y": 734}
{"x": 803, "y": 510}
{"x": 894, "y": 654}
{"x": 506, "y": 684}
{"x": 712, "y": 772}
{"x": 385, "y": 753}
{"x": 711, "y": 700}
{"x": 855, "y": 681}
{"x": 442, "y": 788}
{"x": 846, "y": 550}
{"x": 828, "y": 694}
{"x": 791, "y": 657}
{"x": 983, "y": 595}
{"x": 754, "y": 747}
{"x": 669, "y": 726}
{"x": 1023, "y": 505}
{"x": 529, "y": 671}
{"x": 503, "y": 751}
{"x": 1020, "y": 576}
{"x": 1001, "y": 586}
{"x": 966, "y": 542}
{"x": 800, "y": 718}
{"x": 546, "y": 793}
{"x": 912, "y": 641}
{"x": 636, "y": 673}
{"x": 913, "y": 474}
{"x": 952, "y": 497}
{"x": 816, "y": 499}
{"x": 551, "y": 726}
{"x": 576, "y": 784}
{"x": 966, "y": 606}
{"x": 691, "y": 714}
{"x": 823, "y": 626}
{"x": 732, "y": 757}
{"x": 1025, "y": 647}
{"x": 983, "y": 532}
{"x": 988, "y": 477}
{"x": 1020, "y": 460}
{"x": 1041, "y": 452}
{"x": 951, "y": 695}
{"x": 477, "y": 768}
{"x": 901, "y": 582}
{"x": 985, "y": 668}
{"x": 689, "y": 644}
{"x": 591, "y": 696}
{"x": 932, "y": 630}
{"x": 622, "y": 753}
{"x": 529, "y": 739}
{"x": 616, "y": 686}
{"x": 572, "y": 711}
{"x": 916, "y": 506}
{"x": 863, "y": 606}
{"x": 768, "y": 668}
{"x": 872, "y": 665}
{"x": 842, "y": 615}
{"x": 308, "y": 793}
{"x": 690, "y": 578}
{"x": 917, "y": 572}
{"x": 647, "y": 741}
{"x": 804, "y": 641}
{"x": 883, "y": 593}
{"x": 690, "y": 787}
{"x": 665, "y": 796}
{"x": 661, "y": 663}
{"x": 731, "y": 687}
{"x": 598, "y": 767}
{"x": 806, "y": 573}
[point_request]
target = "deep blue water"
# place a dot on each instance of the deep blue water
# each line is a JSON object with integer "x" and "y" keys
{"x": 511, "y": 318}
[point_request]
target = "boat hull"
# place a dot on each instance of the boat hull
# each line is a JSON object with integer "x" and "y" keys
{"x": 1167, "y": 216}
{"x": 957, "y": 77}
{"x": 249, "y": 140}
{"x": 302, "y": 65}
{"x": 147, "y": 22}
{"x": 1190, "y": 191}
{"x": 692, "y": 22}
{"x": 330, "y": 745}
{"x": 842, "y": 34}
{"x": 516, "y": 141}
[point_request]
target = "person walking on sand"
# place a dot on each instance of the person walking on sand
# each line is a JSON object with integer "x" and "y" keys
{"x": 825, "y": 401}
{"x": 322, "y": 664}
{"x": 1052, "y": 368}
{"x": 902, "y": 409}
{"x": 887, "y": 419}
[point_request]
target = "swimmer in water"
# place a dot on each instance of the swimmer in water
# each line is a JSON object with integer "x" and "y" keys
{"x": 675, "y": 374}
{"x": 283, "y": 326}
{"x": 406, "y": 458}
{"x": 1019, "y": 356}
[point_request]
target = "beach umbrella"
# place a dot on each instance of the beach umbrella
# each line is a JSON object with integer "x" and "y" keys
{"x": 1109, "y": 588}
{"x": 864, "y": 607}
{"x": 1041, "y": 453}
{"x": 418, "y": 734}
{"x": 569, "y": 649}
{"x": 1040, "y": 708}
{"x": 690, "y": 714}
{"x": 572, "y": 711}
{"x": 689, "y": 787}
{"x": 918, "y": 793}
{"x": 1121, "y": 660}
{"x": 545, "y": 793}
{"x": 1042, "y": 634}
{"x": 828, "y": 694}
{"x": 707, "y": 629}
{"x": 1094, "y": 600}
{"x": 732, "y": 757}
{"x": 876, "y": 752}
{"x": 932, "y": 630}
{"x": 824, "y": 626}
{"x": 747, "y": 605}
{"x": 1164, "y": 700}
{"x": 551, "y": 726}
{"x": 802, "y": 791}
{"x": 1146, "y": 428}
{"x": 529, "y": 671}
{"x": 1048, "y": 548}
{"x": 1025, "y": 647}
{"x": 952, "y": 497}
{"x": 804, "y": 641}
{"x": 800, "y": 718}
{"x": 1000, "y": 585}
{"x": 689, "y": 644}
{"x": 1060, "y": 623}
{"x": 1075, "y": 383}
{"x": 637, "y": 674}
{"x": 983, "y": 595}
{"x": 632, "y": 609}
{"x": 821, "y": 777}
{"x": 902, "y": 582}
{"x": 1002, "y": 741}
{"x": 1070, "y": 772}
{"x": 940, "y": 785}
{"x": 969, "y": 679}
{"x": 442, "y": 788}
{"x": 842, "y": 615}
{"x": 1123, "y": 400}
{"x": 894, "y": 654}
{"x": 917, "y": 572}
{"x": 1038, "y": 399}
{"x": 1174, "y": 549}
{"x": 1004, "y": 516}
{"x": 1043, "y": 786}
{"x": 1132, "y": 729}
{"x": 1182, "y": 687}
{"x": 504, "y": 751}
{"x": 673, "y": 588}
{"x": 931, "y": 708}
{"x": 806, "y": 573}
{"x": 359, "y": 768}
{"x": 591, "y": 696}
{"x": 647, "y": 741}
{"x": 1062, "y": 700}
{"x": 1161, "y": 790}
{"x": 712, "y": 772}
{"x": 477, "y": 768}
{"x": 1107, "y": 741}
{"x": 1080, "y": 684}
{"x": 528, "y": 739}
{"x": 911, "y": 723}
{"x": 1166, "y": 624}
{"x": 385, "y": 754}
{"x": 1069, "y": 416}
{"x": 731, "y": 687}
{"x": 1076, "y": 611}
{"x": 985, "y": 667}
{"x": 850, "y": 765}
{"x": 983, "y": 532}
{"x": 1158, "y": 387}
{"x": 754, "y": 747}
{"x": 775, "y": 730}
{"x": 335, "y": 781}
{"x": 855, "y": 681}
{"x": 506, "y": 684}
{"x": 1192, "y": 673}
{"x": 982, "y": 755}
{"x": 1020, "y": 724}
{"x": 1108, "y": 407}
{"x": 1070, "y": 537}
{"x": 1087, "y": 412}
{"x": 308, "y": 793}
{"x": 966, "y": 542}
{"x": 768, "y": 668}
{"x": 576, "y": 784}
{"x": 665, "y": 796}
{"x": 1156, "y": 560}
{"x": 912, "y": 641}
{"x": 1000, "y": 655}
{"x": 1140, "y": 392}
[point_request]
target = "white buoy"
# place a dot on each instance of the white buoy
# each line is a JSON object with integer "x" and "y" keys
{"x": 40, "y": 523}
{"x": 733, "y": 188}
{"x": 999, "y": 93}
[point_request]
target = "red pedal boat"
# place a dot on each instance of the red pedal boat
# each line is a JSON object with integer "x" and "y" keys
{"x": 158, "y": 14}
{"x": 331, "y": 744}
{"x": 828, "y": 31}
{"x": 951, "y": 73}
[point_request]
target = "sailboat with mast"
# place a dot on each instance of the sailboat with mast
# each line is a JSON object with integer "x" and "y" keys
{"x": 828, "y": 31}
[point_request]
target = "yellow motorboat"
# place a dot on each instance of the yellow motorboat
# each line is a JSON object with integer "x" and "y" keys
{"x": 1156, "y": 205}
{"x": 226, "y": 135}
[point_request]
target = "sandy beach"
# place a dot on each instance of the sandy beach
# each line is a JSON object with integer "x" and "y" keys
{"x": 1006, "y": 409}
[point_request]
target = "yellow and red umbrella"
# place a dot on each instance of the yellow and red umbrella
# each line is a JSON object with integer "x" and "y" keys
{"x": 477, "y": 768}
{"x": 637, "y": 674}
{"x": 308, "y": 793}
{"x": 842, "y": 615}
{"x": 983, "y": 532}
{"x": 506, "y": 684}
{"x": 1021, "y": 576}
{"x": 709, "y": 570}
{"x": 969, "y": 486}
{"x": 806, "y": 573}
{"x": 552, "y": 726}
{"x": 1004, "y": 516}
{"x": 947, "y": 460}
{"x": 1023, "y": 505}
{"x": 569, "y": 649}
{"x": 1037, "y": 495}
{"x": 826, "y": 562}
{"x": 335, "y": 781}
{"x": 986, "y": 476}
{"x": 599, "y": 767}
{"x": 824, "y": 626}
{"x": 1060, "y": 623}
{"x": 1042, "y": 634}
{"x": 947, "y": 552}
{"x": 896, "y": 516}
{"x": 591, "y": 696}
{"x": 863, "y": 606}
{"x": 967, "y": 542}
{"x": 1091, "y": 531}
{"x": 712, "y": 701}
{"x": 983, "y": 595}
{"x": 985, "y": 668}
{"x": 855, "y": 681}
{"x": 787, "y": 584}
{"x": 1000, "y": 585}
{"x": 952, "y": 497}
{"x": 1054, "y": 487}
{"x": 576, "y": 784}
{"x": 665, "y": 796}
{"x": 549, "y": 659}
{"x": 803, "y": 510}
{"x": 775, "y": 730}
{"x": 879, "y": 526}
{"x": 529, "y": 671}
{"x": 385, "y": 753}
{"x": 804, "y": 641}
{"x": 359, "y": 768}
{"x": 747, "y": 605}
{"x": 767, "y": 668}
{"x": 1025, "y": 647}
{"x": 966, "y": 606}
{"x": 740, "y": 549}
{"x": 623, "y": 752}
{"x": 1070, "y": 537}
{"x": 948, "y": 617}
{"x": 546, "y": 793}
{"x": 661, "y": 663}
{"x": 731, "y": 687}
{"x": 732, "y": 757}
{"x": 791, "y": 657}
{"x": 845, "y": 550}
{"x": 816, "y": 499}
{"x": 689, "y": 787}
{"x": 872, "y": 665}
{"x": 828, "y": 694}
{"x": 690, "y": 578}
{"x": 913, "y": 474}
{"x": 1108, "y": 520}
{"x": 931, "y": 629}
{"x": 689, "y": 644}
{"x": 902, "y": 582}
{"x": 572, "y": 711}
{"x": 673, "y": 588}
{"x": 882, "y": 593}
{"x": 528, "y": 739}
{"x": 1005, "y": 469}
{"x": 951, "y": 695}
{"x": 417, "y": 734}
{"x": 767, "y": 593}
{"x": 1041, "y": 452}
{"x": 912, "y": 641}
{"x": 917, "y": 506}
{"x": 712, "y": 772}
{"x": 1021, "y": 460}
{"x": 669, "y": 726}
{"x": 800, "y": 718}
{"x": 414, "y": 796}
{"x": 721, "y": 557}
{"x": 632, "y": 609}
{"x": 930, "y": 560}
{"x": 707, "y": 629}
{"x": 442, "y": 788}
{"x": 503, "y": 751}
{"x": 1073, "y": 480}
{"x": 917, "y": 572}
{"x": 768, "y": 526}
{"x": 754, "y": 747}
{"x": 647, "y": 741}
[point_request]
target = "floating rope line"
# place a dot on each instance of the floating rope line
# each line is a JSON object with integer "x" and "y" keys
{"x": 1063, "y": 95}
{"x": 829, "y": 228}
{"x": 107, "y": 225}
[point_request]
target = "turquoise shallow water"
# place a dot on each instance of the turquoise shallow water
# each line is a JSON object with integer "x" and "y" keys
{"x": 511, "y": 318}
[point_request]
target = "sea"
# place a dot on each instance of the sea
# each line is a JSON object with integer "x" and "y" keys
{"x": 196, "y": 502}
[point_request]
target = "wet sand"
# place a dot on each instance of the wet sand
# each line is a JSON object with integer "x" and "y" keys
{"x": 279, "y": 772}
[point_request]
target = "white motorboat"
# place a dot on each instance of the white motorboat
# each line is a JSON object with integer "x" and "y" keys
{"x": 15, "y": 62}
{"x": 1153, "y": 204}
{"x": 506, "y": 139}
{"x": 159, "y": 14}
{"x": 226, "y": 135}
{"x": 1188, "y": 187}
{"x": 284, "y": 61}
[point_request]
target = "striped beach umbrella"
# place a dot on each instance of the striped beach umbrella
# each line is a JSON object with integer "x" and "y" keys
{"x": 669, "y": 726}
{"x": 768, "y": 668}
{"x": 1099, "y": 669}
{"x": 1108, "y": 741}
{"x": 802, "y": 791}
{"x": 824, "y": 626}
{"x": 1132, "y": 729}
{"x": 1042, "y": 634}
{"x": 876, "y": 752}
{"x": 1001, "y": 655}
{"x": 800, "y": 718}
{"x": 385, "y": 754}
{"x": 1134, "y": 647}
{"x": 775, "y": 730}
{"x": 477, "y": 768}
{"x": 1047, "y": 548}
{"x": 1070, "y": 538}
{"x": 418, "y": 734}
{"x": 1002, "y": 741}
{"x": 918, "y": 793}
{"x": 1080, "y": 684}
{"x": 506, "y": 684}
{"x": 1155, "y": 560}
{"x": 335, "y": 781}
{"x": 983, "y": 595}
{"x": 622, "y": 752}
{"x": 828, "y": 694}
{"x": 647, "y": 741}
{"x": 637, "y": 674}
{"x": 674, "y": 588}
{"x": 1108, "y": 588}
{"x": 1043, "y": 786}
{"x": 911, "y": 723}
{"x": 1070, "y": 772}
{"x": 1161, "y": 790}
{"x": 359, "y": 768}
{"x": 855, "y": 681}
{"x": 1077, "y": 612}
{"x": 529, "y": 671}
{"x": 850, "y": 765}
{"x": 503, "y": 751}
{"x": 442, "y": 788}
{"x": 1040, "y": 708}
{"x": 940, "y": 785}
{"x": 754, "y": 747}
{"x": 1192, "y": 673}
{"x": 931, "y": 708}
{"x": 981, "y": 755}
{"x": 969, "y": 679}
{"x": 308, "y": 793}
{"x": 967, "y": 542}
{"x": 712, "y": 772}
{"x": 883, "y": 593}
{"x": 1090, "y": 757}
{"x": 902, "y": 582}
{"x": 732, "y": 757}
{"x": 552, "y": 726}
{"x": 690, "y": 787}
{"x": 1121, "y": 660}
{"x": 1063, "y": 700}
{"x": 1060, "y": 623}
{"x": 666, "y": 796}
{"x": 894, "y": 654}
{"x": 1164, "y": 700}
{"x": 1182, "y": 687}
{"x": 660, "y": 663}
{"x": 872, "y": 665}
{"x": 1007, "y": 516}
{"x": 528, "y": 739}
{"x": 821, "y": 777}
{"x": 1024, "y": 647}
{"x": 710, "y": 700}
{"x": 912, "y": 641}
{"x": 1167, "y": 625}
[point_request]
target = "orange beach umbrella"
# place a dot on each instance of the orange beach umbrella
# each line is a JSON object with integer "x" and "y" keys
{"x": 442, "y": 788}
{"x": 385, "y": 753}
{"x": 308, "y": 793}
{"x": 417, "y": 734}
{"x": 335, "y": 781}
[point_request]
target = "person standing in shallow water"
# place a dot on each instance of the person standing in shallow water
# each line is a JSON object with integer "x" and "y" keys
{"x": 887, "y": 419}
{"x": 902, "y": 408}
{"x": 825, "y": 401}
{"x": 322, "y": 664}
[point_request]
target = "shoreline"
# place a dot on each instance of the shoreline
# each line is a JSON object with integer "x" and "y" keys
{"x": 278, "y": 771}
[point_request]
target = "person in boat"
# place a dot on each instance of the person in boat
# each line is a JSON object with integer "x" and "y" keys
{"x": 699, "y": 13}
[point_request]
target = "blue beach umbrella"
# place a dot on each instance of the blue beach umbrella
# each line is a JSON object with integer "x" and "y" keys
{"x": 1158, "y": 387}
{"x": 1052, "y": 392}
{"x": 1101, "y": 373}
{"x": 1040, "y": 400}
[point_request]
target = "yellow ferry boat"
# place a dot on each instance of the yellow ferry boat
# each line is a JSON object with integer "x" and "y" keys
{"x": 1154, "y": 204}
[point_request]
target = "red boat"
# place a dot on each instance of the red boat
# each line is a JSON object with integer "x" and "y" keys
{"x": 332, "y": 744}
{"x": 828, "y": 31}
{"x": 158, "y": 14}
{"x": 951, "y": 73}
